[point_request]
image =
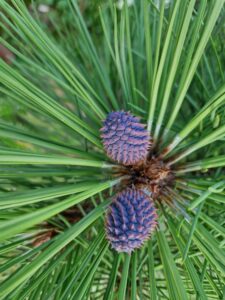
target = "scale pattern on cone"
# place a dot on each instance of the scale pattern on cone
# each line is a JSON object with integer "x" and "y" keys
{"x": 125, "y": 139}
{"x": 130, "y": 220}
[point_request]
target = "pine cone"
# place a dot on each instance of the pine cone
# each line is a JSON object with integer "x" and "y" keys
{"x": 125, "y": 139}
{"x": 130, "y": 220}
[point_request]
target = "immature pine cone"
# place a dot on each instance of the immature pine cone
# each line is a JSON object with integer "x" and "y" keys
{"x": 130, "y": 220}
{"x": 125, "y": 139}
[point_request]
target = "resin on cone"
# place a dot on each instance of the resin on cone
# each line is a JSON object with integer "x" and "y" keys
{"x": 130, "y": 220}
{"x": 125, "y": 139}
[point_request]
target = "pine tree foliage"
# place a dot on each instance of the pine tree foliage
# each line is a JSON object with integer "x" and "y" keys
{"x": 69, "y": 69}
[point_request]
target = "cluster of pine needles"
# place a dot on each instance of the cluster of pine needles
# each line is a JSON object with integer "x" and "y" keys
{"x": 64, "y": 66}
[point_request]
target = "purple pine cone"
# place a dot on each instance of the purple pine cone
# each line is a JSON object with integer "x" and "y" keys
{"x": 125, "y": 139}
{"x": 130, "y": 220}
